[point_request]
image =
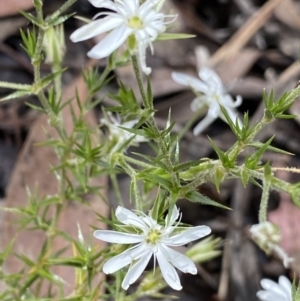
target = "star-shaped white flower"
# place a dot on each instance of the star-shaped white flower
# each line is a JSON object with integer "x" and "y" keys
{"x": 275, "y": 292}
{"x": 119, "y": 136}
{"x": 213, "y": 94}
{"x": 151, "y": 239}
{"x": 129, "y": 20}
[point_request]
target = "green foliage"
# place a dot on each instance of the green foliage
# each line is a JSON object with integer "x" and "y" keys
{"x": 29, "y": 40}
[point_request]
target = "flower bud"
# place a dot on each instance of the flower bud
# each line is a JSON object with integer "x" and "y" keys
{"x": 205, "y": 250}
{"x": 268, "y": 236}
{"x": 54, "y": 45}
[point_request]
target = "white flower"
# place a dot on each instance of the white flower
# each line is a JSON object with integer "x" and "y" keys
{"x": 119, "y": 136}
{"x": 151, "y": 239}
{"x": 275, "y": 292}
{"x": 214, "y": 95}
{"x": 128, "y": 21}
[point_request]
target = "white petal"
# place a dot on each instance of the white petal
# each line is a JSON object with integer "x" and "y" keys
{"x": 238, "y": 101}
{"x": 149, "y": 221}
{"x": 131, "y": 6}
{"x": 190, "y": 81}
{"x": 128, "y": 217}
{"x": 130, "y": 124}
{"x": 142, "y": 57}
{"x": 95, "y": 28}
{"x": 186, "y": 236}
{"x": 269, "y": 296}
{"x": 203, "y": 124}
{"x": 110, "y": 43}
{"x": 148, "y": 5}
{"x": 270, "y": 285}
{"x": 118, "y": 237}
{"x": 103, "y": 3}
{"x": 286, "y": 285}
{"x": 173, "y": 218}
{"x": 211, "y": 78}
{"x": 180, "y": 261}
{"x": 127, "y": 257}
{"x": 168, "y": 271}
{"x": 136, "y": 270}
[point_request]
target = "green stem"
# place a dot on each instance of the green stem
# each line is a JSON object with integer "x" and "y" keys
{"x": 239, "y": 146}
{"x": 262, "y": 215}
{"x": 139, "y": 79}
{"x": 62, "y": 9}
{"x": 275, "y": 183}
{"x": 129, "y": 170}
{"x": 148, "y": 104}
{"x": 116, "y": 188}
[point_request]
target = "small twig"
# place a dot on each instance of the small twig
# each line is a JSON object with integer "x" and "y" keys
{"x": 245, "y": 33}
{"x": 224, "y": 278}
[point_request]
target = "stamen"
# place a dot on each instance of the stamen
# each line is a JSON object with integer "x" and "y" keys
{"x": 135, "y": 22}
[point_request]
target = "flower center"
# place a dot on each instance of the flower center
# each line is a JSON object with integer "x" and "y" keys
{"x": 135, "y": 22}
{"x": 216, "y": 96}
{"x": 153, "y": 236}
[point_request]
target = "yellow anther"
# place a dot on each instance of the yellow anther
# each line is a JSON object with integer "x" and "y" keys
{"x": 135, "y": 22}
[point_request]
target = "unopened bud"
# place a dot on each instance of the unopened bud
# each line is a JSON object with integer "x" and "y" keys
{"x": 268, "y": 236}
{"x": 54, "y": 45}
{"x": 205, "y": 250}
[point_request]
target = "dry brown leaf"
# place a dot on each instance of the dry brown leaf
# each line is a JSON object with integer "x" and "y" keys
{"x": 31, "y": 169}
{"x": 12, "y": 7}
